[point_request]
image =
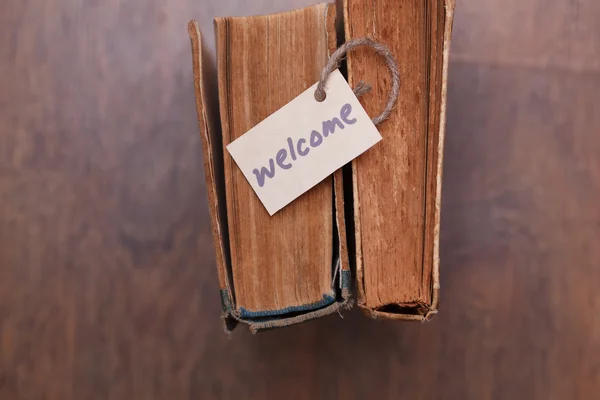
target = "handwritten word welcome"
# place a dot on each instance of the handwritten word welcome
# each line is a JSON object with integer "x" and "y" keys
{"x": 301, "y": 147}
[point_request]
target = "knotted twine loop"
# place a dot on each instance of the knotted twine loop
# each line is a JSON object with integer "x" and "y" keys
{"x": 362, "y": 88}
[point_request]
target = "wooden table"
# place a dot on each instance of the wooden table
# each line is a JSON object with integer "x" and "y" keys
{"x": 107, "y": 282}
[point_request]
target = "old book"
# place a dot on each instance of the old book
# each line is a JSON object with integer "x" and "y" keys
{"x": 292, "y": 266}
{"x": 397, "y": 184}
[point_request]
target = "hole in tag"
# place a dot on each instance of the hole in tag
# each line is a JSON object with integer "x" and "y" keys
{"x": 320, "y": 96}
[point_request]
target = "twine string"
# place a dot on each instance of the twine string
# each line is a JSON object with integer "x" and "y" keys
{"x": 362, "y": 87}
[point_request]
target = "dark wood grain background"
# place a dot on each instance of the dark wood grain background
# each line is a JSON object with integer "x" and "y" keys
{"x": 108, "y": 288}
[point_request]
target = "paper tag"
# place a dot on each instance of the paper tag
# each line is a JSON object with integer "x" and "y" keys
{"x": 303, "y": 143}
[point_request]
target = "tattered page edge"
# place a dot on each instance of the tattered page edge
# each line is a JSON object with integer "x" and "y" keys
{"x": 450, "y": 6}
{"x": 215, "y": 193}
{"x": 345, "y": 279}
{"x": 359, "y": 279}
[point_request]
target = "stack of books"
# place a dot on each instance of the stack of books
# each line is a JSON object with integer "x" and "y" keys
{"x": 302, "y": 262}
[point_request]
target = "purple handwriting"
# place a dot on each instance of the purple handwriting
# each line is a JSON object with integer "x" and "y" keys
{"x": 301, "y": 147}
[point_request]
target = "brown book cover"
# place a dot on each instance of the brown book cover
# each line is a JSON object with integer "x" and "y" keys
{"x": 293, "y": 266}
{"x": 397, "y": 183}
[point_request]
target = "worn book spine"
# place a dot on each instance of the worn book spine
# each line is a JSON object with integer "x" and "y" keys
{"x": 249, "y": 243}
{"x": 436, "y": 200}
{"x": 397, "y": 184}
